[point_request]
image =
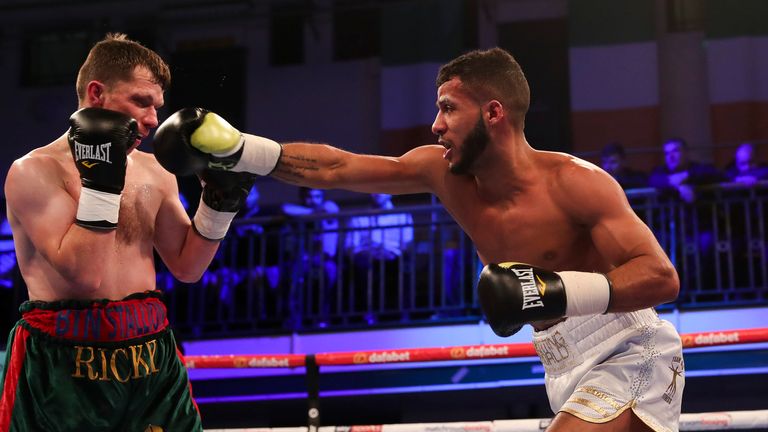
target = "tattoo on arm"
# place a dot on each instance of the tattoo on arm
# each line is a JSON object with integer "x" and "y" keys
{"x": 294, "y": 168}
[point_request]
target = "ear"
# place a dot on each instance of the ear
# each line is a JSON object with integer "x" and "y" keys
{"x": 494, "y": 112}
{"x": 94, "y": 93}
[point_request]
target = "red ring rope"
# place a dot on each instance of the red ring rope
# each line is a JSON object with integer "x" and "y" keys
{"x": 464, "y": 352}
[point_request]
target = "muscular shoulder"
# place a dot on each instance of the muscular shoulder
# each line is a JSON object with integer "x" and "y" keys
{"x": 584, "y": 190}
{"x": 426, "y": 160}
{"x": 42, "y": 165}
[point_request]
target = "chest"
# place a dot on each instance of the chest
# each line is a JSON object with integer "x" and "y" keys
{"x": 139, "y": 204}
{"x": 531, "y": 229}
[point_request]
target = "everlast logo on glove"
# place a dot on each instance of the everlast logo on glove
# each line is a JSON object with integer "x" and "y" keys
{"x": 98, "y": 152}
{"x": 531, "y": 292}
{"x": 512, "y": 294}
{"x": 99, "y": 140}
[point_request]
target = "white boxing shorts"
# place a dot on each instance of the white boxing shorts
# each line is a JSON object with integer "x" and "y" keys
{"x": 599, "y": 366}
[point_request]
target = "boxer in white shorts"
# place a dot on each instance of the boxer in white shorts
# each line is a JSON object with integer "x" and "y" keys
{"x": 597, "y": 367}
{"x": 560, "y": 213}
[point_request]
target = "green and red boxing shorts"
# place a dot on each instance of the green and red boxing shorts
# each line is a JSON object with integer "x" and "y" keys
{"x": 96, "y": 365}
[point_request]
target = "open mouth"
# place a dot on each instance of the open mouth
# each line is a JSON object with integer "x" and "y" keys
{"x": 448, "y": 148}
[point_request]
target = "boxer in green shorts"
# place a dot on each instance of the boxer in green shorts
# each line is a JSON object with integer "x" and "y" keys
{"x": 100, "y": 365}
{"x": 88, "y": 211}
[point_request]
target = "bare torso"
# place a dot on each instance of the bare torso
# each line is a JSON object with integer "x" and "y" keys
{"x": 527, "y": 226}
{"x": 530, "y": 228}
{"x": 130, "y": 264}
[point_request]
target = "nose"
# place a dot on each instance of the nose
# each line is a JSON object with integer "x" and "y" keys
{"x": 150, "y": 118}
{"x": 438, "y": 126}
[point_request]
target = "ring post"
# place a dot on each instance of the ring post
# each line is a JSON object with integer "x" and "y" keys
{"x": 313, "y": 393}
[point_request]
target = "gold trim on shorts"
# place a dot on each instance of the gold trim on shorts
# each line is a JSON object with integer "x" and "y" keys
{"x": 606, "y": 416}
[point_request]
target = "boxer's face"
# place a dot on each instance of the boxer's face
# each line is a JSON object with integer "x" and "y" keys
{"x": 139, "y": 97}
{"x": 459, "y": 127}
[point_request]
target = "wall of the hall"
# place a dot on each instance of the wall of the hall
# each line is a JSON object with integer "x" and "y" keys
{"x": 634, "y": 71}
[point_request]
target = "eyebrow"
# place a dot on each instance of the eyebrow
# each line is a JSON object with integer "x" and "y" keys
{"x": 443, "y": 100}
{"x": 146, "y": 100}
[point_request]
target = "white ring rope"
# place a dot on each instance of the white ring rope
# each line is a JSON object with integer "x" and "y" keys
{"x": 726, "y": 420}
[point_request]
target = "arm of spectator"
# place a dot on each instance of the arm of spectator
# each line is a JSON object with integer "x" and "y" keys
{"x": 295, "y": 209}
{"x": 330, "y": 207}
{"x": 659, "y": 180}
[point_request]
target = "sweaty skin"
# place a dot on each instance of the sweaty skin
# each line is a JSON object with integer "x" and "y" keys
{"x": 548, "y": 209}
{"x": 60, "y": 260}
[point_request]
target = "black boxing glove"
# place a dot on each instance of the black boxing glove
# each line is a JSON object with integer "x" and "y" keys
{"x": 193, "y": 139}
{"x": 514, "y": 294}
{"x": 224, "y": 194}
{"x": 99, "y": 140}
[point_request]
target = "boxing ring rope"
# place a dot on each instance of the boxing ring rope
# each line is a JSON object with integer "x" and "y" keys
{"x": 465, "y": 352}
{"x": 726, "y": 420}
{"x": 695, "y": 421}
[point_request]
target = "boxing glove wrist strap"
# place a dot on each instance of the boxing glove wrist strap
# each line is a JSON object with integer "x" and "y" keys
{"x": 211, "y": 224}
{"x": 587, "y": 293}
{"x": 97, "y": 210}
{"x": 260, "y": 155}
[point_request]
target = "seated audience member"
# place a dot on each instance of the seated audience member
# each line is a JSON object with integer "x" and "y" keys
{"x": 745, "y": 167}
{"x": 679, "y": 175}
{"x": 317, "y": 265}
{"x": 375, "y": 244}
{"x": 613, "y": 161}
{"x": 246, "y": 255}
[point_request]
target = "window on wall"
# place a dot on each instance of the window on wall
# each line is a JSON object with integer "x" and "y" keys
{"x": 286, "y": 33}
{"x": 53, "y": 58}
{"x": 356, "y": 30}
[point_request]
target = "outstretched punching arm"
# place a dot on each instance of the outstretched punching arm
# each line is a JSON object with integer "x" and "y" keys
{"x": 325, "y": 167}
{"x": 193, "y": 139}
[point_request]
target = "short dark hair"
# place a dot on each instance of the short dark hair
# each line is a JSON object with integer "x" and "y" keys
{"x": 114, "y": 58}
{"x": 613, "y": 149}
{"x": 491, "y": 74}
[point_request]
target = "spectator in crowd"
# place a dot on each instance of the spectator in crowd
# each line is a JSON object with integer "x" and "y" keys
{"x": 254, "y": 238}
{"x": 7, "y": 255}
{"x": 613, "y": 161}
{"x": 376, "y": 243}
{"x": 679, "y": 175}
{"x": 316, "y": 267}
{"x": 251, "y": 210}
{"x": 249, "y": 254}
{"x": 679, "y": 178}
{"x": 12, "y": 288}
{"x": 745, "y": 167}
